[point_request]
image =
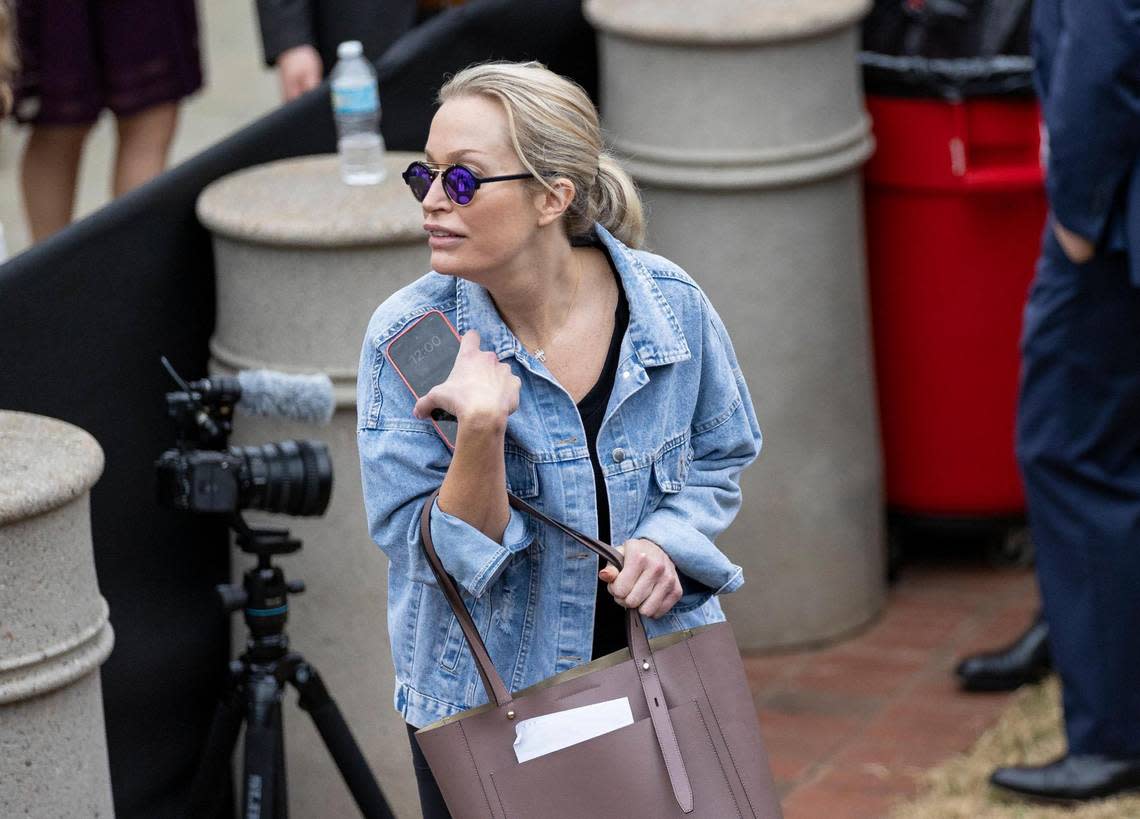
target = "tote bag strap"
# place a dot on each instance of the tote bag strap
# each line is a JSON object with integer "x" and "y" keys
{"x": 636, "y": 639}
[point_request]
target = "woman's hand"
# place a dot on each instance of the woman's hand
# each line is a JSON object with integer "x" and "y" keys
{"x": 648, "y": 582}
{"x": 480, "y": 390}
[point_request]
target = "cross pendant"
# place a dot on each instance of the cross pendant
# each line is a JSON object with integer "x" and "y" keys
{"x": 540, "y": 354}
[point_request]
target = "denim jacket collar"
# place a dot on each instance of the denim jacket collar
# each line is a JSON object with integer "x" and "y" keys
{"x": 654, "y": 332}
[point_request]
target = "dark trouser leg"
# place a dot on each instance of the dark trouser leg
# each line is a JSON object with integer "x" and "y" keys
{"x": 1079, "y": 450}
{"x": 431, "y": 800}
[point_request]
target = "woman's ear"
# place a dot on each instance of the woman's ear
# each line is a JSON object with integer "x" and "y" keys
{"x": 552, "y": 202}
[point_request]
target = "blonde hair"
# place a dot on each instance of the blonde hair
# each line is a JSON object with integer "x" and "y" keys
{"x": 555, "y": 132}
{"x": 9, "y": 64}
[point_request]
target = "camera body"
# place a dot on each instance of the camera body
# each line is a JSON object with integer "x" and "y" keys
{"x": 199, "y": 481}
{"x": 204, "y": 474}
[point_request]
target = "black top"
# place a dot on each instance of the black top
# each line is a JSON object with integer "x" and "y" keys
{"x": 609, "y": 617}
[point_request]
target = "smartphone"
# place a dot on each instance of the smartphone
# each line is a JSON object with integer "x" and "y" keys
{"x": 423, "y": 353}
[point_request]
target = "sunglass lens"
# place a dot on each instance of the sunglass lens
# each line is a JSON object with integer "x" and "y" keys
{"x": 418, "y": 178}
{"x": 459, "y": 183}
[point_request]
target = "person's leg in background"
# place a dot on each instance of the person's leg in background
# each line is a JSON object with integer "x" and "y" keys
{"x": 58, "y": 94}
{"x": 150, "y": 62}
{"x": 144, "y": 146}
{"x": 49, "y": 172}
{"x": 1079, "y": 449}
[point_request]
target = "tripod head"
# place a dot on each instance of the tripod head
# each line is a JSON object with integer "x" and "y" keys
{"x": 263, "y": 596}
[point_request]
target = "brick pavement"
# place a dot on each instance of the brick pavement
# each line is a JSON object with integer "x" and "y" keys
{"x": 850, "y": 727}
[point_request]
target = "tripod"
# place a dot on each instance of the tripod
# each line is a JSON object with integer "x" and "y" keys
{"x": 253, "y": 695}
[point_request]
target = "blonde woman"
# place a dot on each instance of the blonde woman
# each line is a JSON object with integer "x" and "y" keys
{"x": 593, "y": 379}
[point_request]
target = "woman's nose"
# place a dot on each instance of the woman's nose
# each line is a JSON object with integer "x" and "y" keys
{"x": 435, "y": 198}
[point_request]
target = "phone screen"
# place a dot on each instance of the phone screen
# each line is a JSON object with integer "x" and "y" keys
{"x": 423, "y": 355}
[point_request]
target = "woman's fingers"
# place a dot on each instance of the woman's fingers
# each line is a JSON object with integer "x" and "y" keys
{"x": 648, "y": 581}
{"x": 627, "y": 577}
{"x": 478, "y": 386}
{"x": 469, "y": 341}
{"x": 658, "y": 602}
{"x": 426, "y": 404}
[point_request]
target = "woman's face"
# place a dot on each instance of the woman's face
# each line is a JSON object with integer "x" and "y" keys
{"x": 487, "y": 234}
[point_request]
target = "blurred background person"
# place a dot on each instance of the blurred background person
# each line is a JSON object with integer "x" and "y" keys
{"x": 300, "y": 37}
{"x": 139, "y": 58}
{"x": 1078, "y": 426}
{"x": 8, "y": 65}
{"x": 8, "y": 61}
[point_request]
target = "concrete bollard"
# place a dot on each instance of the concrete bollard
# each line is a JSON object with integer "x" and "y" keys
{"x": 743, "y": 124}
{"x": 302, "y": 261}
{"x": 54, "y": 627}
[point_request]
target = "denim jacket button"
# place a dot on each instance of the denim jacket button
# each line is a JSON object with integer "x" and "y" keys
{"x": 618, "y": 455}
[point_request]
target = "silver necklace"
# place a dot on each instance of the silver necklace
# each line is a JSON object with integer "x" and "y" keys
{"x": 540, "y": 352}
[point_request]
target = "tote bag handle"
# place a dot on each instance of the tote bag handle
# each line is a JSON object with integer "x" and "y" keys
{"x": 639, "y": 650}
{"x": 497, "y": 692}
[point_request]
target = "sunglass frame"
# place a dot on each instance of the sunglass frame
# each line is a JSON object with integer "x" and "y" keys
{"x": 434, "y": 169}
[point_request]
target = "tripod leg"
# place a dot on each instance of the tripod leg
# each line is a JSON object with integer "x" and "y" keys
{"x": 263, "y": 721}
{"x": 279, "y": 788}
{"x": 338, "y": 739}
{"x": 219, "y": 750}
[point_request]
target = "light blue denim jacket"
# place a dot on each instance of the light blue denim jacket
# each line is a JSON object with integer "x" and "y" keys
{"x": 677, "y": 432}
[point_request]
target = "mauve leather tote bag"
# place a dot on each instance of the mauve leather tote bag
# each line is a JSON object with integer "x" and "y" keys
{"x": 692, "y": 750}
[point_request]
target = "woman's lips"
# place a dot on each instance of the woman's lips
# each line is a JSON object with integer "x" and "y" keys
{"x": 440, "y": 238}
{"x": 441, "y": 241}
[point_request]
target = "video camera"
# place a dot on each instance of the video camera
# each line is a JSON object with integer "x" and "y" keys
{"x": 204, "y": 474}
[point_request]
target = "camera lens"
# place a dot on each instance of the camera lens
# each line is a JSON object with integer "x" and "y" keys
{"x": 291, "y": 477}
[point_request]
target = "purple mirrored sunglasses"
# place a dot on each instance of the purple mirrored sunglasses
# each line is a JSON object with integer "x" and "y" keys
{"x": 459, "y": 181}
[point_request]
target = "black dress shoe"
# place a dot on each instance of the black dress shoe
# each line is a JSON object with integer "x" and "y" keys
{"x": 1072, "y": 778}
{"x": 1026, "y": 660}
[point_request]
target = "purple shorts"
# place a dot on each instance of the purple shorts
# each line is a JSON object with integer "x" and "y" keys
{"x": 81, "y": 56}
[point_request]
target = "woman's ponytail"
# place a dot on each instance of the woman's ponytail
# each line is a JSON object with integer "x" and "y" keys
{"x": 615, "y": 204}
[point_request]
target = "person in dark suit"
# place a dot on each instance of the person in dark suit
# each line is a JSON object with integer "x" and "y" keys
{"x": 300, "y": 37}
{"x": 1078, "y": 427}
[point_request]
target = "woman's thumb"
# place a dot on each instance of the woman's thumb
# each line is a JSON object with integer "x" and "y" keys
{"x": 610, "y": 572}
{"x": 424, "y": 406}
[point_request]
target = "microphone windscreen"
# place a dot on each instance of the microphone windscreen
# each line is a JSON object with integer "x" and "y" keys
{"x": 305, "y": 398}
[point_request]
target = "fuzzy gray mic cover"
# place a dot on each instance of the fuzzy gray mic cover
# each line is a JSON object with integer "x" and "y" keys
{"x": 305, "y": 398}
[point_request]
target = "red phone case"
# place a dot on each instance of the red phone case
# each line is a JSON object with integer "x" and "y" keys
{"x": 396, "y": 367}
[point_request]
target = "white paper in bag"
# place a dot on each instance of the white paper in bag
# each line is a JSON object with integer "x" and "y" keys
{"x": 552, "y": 732}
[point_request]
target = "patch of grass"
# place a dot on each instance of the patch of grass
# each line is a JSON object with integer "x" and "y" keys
{"x": 1029, "y": 732}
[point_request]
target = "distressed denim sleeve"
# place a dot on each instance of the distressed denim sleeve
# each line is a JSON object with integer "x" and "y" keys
{"x": 402, "y": 461}
{"x": 725, "y": 438}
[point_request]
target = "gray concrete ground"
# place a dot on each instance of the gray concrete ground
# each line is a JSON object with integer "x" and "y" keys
{"x": 238, "y": 89}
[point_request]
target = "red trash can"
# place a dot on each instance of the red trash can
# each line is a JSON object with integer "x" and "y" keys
{"x": 955, "y": 206}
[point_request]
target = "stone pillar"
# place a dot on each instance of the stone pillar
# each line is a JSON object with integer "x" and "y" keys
{"x": 54, "y": 631}
{"x": 302, "y": 261}
{"x": 742, "y": 122}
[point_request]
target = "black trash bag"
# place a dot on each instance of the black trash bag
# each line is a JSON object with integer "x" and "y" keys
{"x": 948, "y": 49}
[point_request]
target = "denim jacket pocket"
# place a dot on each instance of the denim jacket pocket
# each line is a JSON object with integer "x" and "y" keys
{"x": 670, "y": 469}
{"x": 454, "y": 643}
{"x": 522, "y": 472}
{"x": 671, "y": 464}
